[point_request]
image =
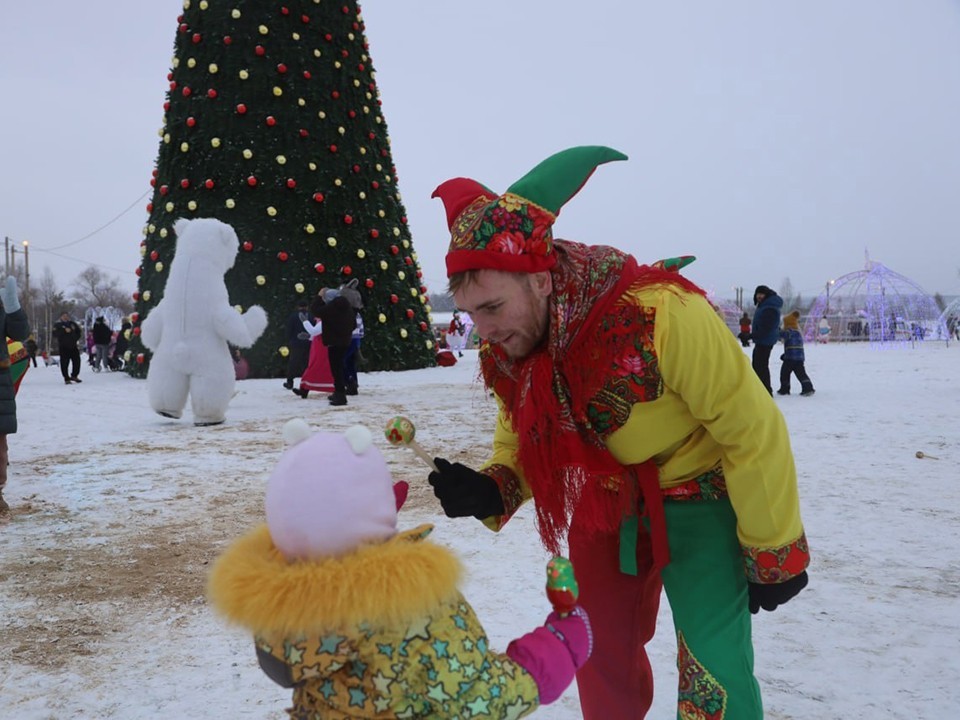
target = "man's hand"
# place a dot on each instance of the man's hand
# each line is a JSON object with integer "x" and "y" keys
{"x": 772, "y": 595}
{"x": 464, "y": 492}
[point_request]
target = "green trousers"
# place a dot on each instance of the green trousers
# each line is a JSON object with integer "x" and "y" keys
{"x": 707, "y": 591}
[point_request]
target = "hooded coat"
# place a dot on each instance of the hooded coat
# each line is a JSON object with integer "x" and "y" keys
{"x": 766, "y": 320}
{"x": 382, "y": 632}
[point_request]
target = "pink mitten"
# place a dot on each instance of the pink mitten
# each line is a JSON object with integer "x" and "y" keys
{"x": 553, "y": 653}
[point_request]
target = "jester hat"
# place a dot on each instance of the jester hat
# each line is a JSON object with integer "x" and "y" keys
{"x": 512, "y": 232}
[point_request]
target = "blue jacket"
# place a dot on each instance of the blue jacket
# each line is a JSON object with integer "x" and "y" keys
{"x": 792, "y": 344}
{"x": 766, "y": 321}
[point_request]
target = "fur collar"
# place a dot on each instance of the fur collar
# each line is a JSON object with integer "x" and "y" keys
{"x": 383, "y": 584}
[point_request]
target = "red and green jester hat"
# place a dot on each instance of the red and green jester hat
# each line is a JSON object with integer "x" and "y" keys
{"x": 551, "y": 396}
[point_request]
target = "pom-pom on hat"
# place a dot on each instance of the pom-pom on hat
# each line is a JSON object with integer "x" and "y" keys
{"x": 512, "y": 232}
{"x": 792, "y": 320}
{"x": 329, "y": 493}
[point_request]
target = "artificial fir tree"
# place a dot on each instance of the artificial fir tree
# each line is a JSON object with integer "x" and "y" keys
{"x": 273, "y": 124}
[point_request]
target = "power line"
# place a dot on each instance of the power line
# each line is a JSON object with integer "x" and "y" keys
{"x": 102, "y": 227}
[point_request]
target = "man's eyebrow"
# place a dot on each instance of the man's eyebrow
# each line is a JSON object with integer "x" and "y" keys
{"x": 486, "y": 305}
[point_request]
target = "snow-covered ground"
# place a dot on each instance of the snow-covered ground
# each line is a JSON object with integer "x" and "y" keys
{"x": 117, "y": 513}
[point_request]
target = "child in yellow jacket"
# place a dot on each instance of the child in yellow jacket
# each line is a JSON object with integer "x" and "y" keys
{"x": 363, "y": 621}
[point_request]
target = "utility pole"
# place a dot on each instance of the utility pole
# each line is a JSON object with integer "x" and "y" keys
{"x": 26, "y": 273}
{"x": 6, "y": 255}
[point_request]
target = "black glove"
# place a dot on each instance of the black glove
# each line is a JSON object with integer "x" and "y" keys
{"x": 463, "y": 492}
{"x": 770, "y": 596}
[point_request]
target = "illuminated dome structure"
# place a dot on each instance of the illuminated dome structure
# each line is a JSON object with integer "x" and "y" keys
{"x": 877, "y": 305}
{"x": 950, "y": 317}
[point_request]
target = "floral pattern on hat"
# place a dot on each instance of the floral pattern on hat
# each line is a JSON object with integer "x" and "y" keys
{"x": 511, "y": 225}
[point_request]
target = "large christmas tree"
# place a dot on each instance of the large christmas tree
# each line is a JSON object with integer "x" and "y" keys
{"x": 273, "y": 124}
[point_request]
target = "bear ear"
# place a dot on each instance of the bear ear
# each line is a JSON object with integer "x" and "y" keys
{"x": 180, "y": 226}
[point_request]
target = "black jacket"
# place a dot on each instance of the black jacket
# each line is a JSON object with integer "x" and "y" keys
{"x": 102, "y": 334}
{"x": 68, "y": 334}
{"x": 338, "y": 318}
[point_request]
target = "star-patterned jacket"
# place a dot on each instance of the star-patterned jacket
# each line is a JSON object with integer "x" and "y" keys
{"x": 380, "y": 633}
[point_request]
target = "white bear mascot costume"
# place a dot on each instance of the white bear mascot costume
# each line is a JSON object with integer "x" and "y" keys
{"x": 189, "y": 330}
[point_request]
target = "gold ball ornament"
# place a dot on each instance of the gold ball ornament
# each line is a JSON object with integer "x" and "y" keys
{"x": 383, "y": 265}
{"x": 332, "y": 241}
{"x": 261, "y": 280}
{"x": 192, "y": 205}
{"x": 235, "y": 13}
{"x": 299, "y": 287}
{"x": 361, "y": 253}
{"x": 164, "y": 232}
{"x": 264, "y": 30}
{"x": 281, "y": 159}
{"x": 184, "y": 146}
{"x": 429, "y": 344}
{"x": 402, "y": 275}
{"x": 272, "y": 211}
{"x": 158, "y": 267}
{"x": 146, "y": 295}
{"x": 191, "y": 63}
{"x": 403, "y": 333}
{"x": 310, "y": 228}
{"x": 382, "y": 318}
{"x": 168, "y": 207}
{"x": 244, "y": 74}
{"x": 213, "y": 69}
{"x": 215, "y": 142}
{"x": 247, "y": 153}
{"x": 277, "y": 92}
{"x": 284, "y": 350}
{"x": 230, "y": 203}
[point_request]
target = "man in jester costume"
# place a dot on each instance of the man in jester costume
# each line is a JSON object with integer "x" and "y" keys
{"x": 631, "y": 417}
{"x": 362, "y": 620}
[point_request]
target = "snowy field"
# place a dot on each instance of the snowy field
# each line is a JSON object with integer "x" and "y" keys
{"x": 116, "y": 514}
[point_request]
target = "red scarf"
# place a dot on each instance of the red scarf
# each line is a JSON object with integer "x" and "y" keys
{"x": 563, "y": 457}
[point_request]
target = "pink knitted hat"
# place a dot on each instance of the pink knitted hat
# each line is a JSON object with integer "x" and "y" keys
{"x": 329, "y": 493}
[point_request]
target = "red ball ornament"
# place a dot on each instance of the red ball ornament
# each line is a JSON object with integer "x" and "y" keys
{"x": 356, "y": 168}
{"x": 173, "y": 85}
{"x": 164, "y": 189}
{"x": 374, "y": 233}
{"x": 394, "y": 249}
{"x": 183, "y": 27}
{"x": 360, "y": 67}
{"x": 403, "y": 219}
{"x": 371, "y": 135}
{"x": 153, "y": 182}
{"x": 394, "y": 299}
{"x": 154, "y": 255}
{"x": 252, "y": 181}
{"x": 284, "y": 10}
{"x": 140, "y": 358}
{"x": 423, "y": 326}
{"x": 136, "y": 331}
{"x": 208, "y": 184}
{"x": 271, "y": 120}
{"x": 352, "y": 114}
{"x": 150, "y": 207}
{"x": 260, "y": 50}
{"x": 169, "y": 76}
{"x": 166, "y": 106}
{"x": 134, "y": 317}
{"x": 241, "y": 109}
{"x": 185, "y": 183}
{"x": 303, "y": 133}
{"x": 347, "y": 270}
{"x": 227, "y": 39}
{"x": 247, "y": 245}
{"x": 139, "y": 270}
{"x": 335, "y": 94}
{"x": 304, "y": 18}
{"x": 291, "y": 183}
{"x": 282, "y": 256}
{"x": 368, "y": 282}
{"x": 410, "y": 313}
{"x": 348, "y": 219}
{"x": 197, "y": 37}
{"x": 375, "y": 185}
{"x": 318, "y": 197}
{"x": 333, "y": 148}
{"x": 306, "y": 75}
{"x": 136, "y": 296}
{"x": 383, "y": 153}
{"x": 408, "y": 260}
{"x": 155, "y": 172}
{"x": 328, "y": 37}
{"x": 211, "y": 93}
{"x": 319, "y": 267}
{"x": 423, "y": 288}
{"x": 281, "y": 68}
{"x": 346, "y": 10}
{"x": 344, "y": 53}
{"x": 186, "y": 91}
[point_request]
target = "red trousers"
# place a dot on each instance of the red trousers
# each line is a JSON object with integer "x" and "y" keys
{"x": 617, "y": 682}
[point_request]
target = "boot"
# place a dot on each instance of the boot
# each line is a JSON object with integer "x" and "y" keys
{"x": 352, "y": 389}
{"x": 338, "y": 399}
{"x": 807, "y": 392}
{"x": 3, "y": 503}
{"x": 74, "y": 378}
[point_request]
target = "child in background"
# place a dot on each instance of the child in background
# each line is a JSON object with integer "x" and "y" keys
{"x": 363, "y": 621}
{"x": 793, "y": 356}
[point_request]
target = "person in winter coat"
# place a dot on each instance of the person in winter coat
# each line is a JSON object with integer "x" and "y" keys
{"x": 744, "y": 330}
{"x": 626, "y": 440}
{"x": 31, "y": 348}
{"x": 353, "y": 356}
{"x": 16, "y": 327}
{"x": 766, "y": 331}
{"x": 102, "y": 335}
{"x": 338, "y": 319}
{"x": 793, "y": 356}
{"x": 67, "y": 334}
{"x": 298, "y": 343}
{"x": 120, "y": 346}
{"x": 362, "y": 620}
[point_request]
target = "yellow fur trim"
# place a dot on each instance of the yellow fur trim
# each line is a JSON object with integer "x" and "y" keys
{"x": 383, "y": 584}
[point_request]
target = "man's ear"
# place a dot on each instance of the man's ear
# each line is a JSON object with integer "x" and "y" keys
{"x": 542, "y": 283}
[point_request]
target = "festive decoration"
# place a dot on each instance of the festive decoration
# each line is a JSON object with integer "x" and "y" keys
{"x": 273, "y": 124}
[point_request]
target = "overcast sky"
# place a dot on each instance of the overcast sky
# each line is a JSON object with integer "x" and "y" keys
{"x": 770, "y": 139}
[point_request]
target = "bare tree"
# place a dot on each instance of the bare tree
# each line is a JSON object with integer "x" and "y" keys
{"x": 94, "y": 288}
